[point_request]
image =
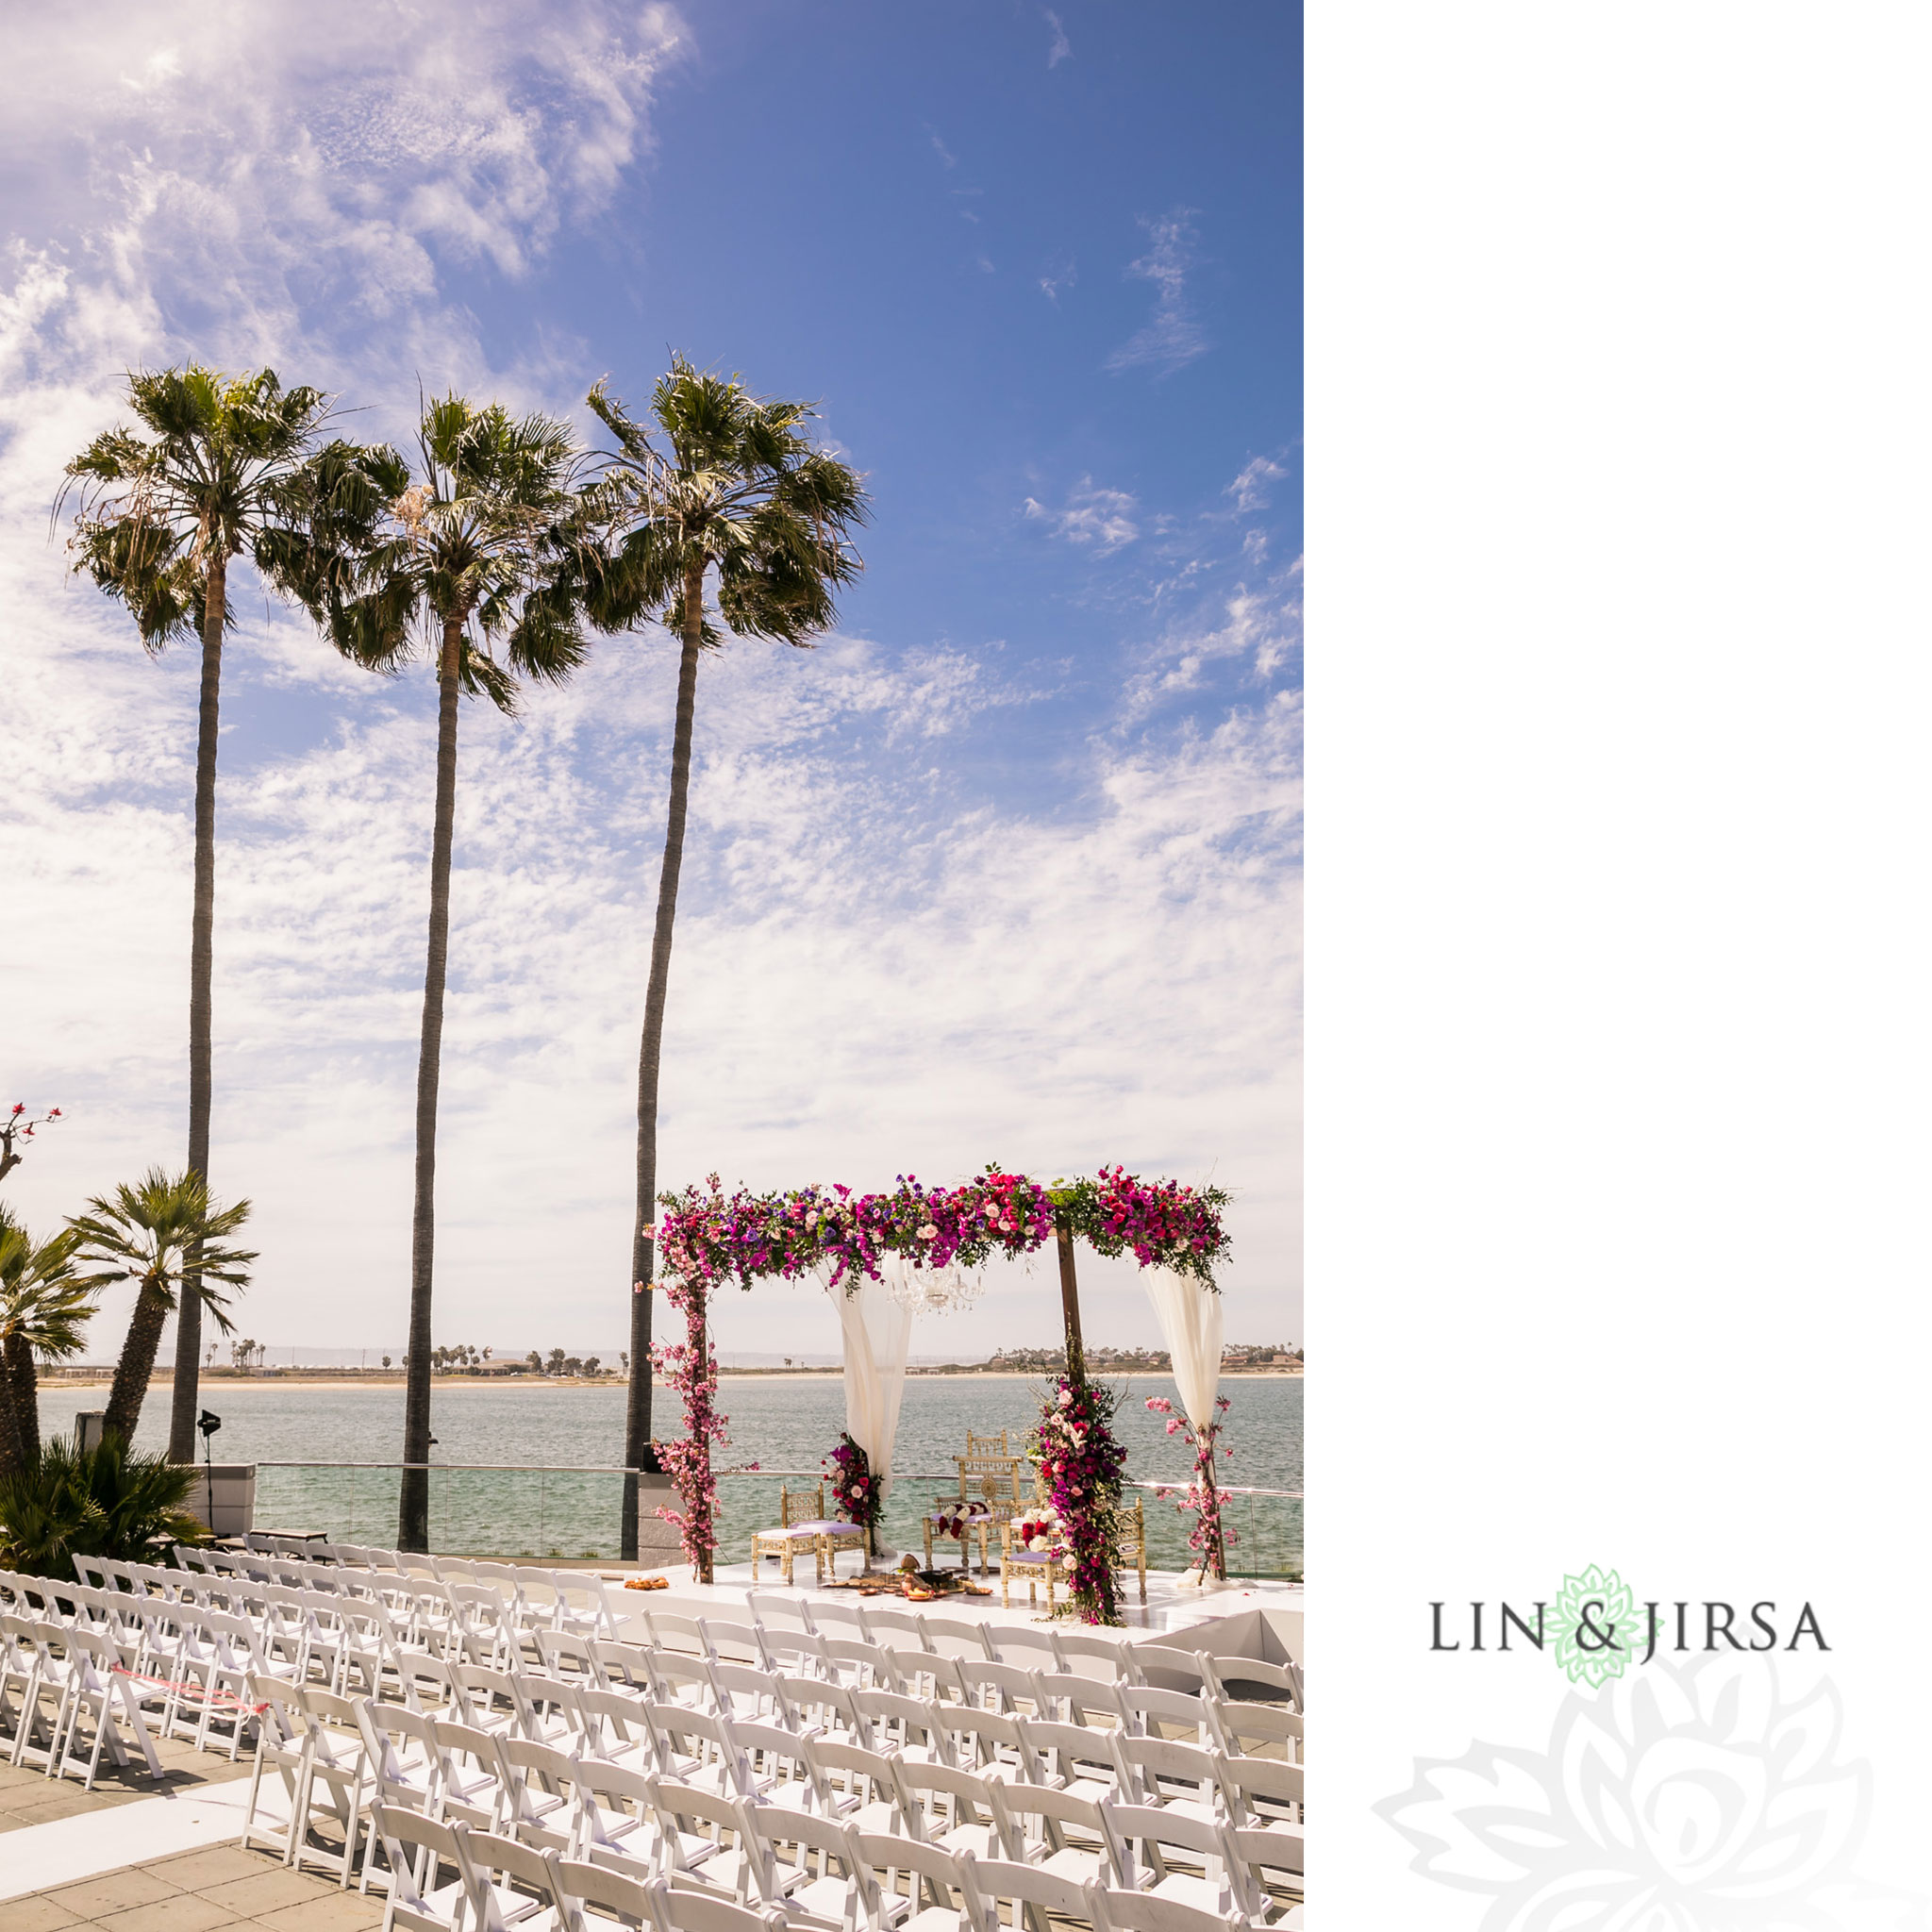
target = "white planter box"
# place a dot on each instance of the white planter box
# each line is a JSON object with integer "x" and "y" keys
{"x": 658, "y": 1542}
{"x": 223, "y": 1497}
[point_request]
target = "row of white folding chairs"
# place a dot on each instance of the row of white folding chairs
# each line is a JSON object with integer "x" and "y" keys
{"x": 688, "y": 1775}
{"x": 1030, "y": 1748}
{"x": 745, "y": 1753}
{"x": 778, "y": 1616}
{"x": 203, "y": 1657}
{"x": 1077, "y": 1696}
{"x": 498, "y": 1881}
{"x": 533, "y": 1599}
{"x": 66, "y": 1697}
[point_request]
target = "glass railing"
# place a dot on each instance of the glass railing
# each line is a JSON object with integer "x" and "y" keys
{"x": 572, "y": 1514}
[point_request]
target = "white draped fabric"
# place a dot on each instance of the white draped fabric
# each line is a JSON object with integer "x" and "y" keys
{"x": 1190, "y": 1316}
{"x": 877, "y": 1335}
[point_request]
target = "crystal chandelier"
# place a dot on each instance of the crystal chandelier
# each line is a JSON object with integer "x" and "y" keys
{"x": 932, "y": 1291}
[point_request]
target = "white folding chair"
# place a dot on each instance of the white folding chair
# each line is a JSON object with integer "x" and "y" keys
{"x": 778, "y": 1766}
{"x": 1090, "y": 1654}
{"x": 616, "y": 1826}
{"x": 1062, "y": 1832}
{"x": 747, "y": 1692}
{"x": 691, "y": 1830}
{"x": 496, "y": 1904}
{"x": 745, "y": 1643}
{"x": 933, "y": 1874}
{"x": 1222, "y": 1885}
{"x": 1238, "y": 1678}
{"x": 1271, "y": 1858}
{"x": 858, "y": 1786}
{"x": 906, "y": 1724}
{"x": 1033, "y": 1890}
{"x": 539, "y": 1794}
{"x": 822, "y": 1901}
{"x": 418, "y": 1848}
{"x": 335, "y": 1761}
{"x": 1150, "y": 1911}
{"x": 98, "y": 1689}
{"x": 1263, "y": 1792}
{"x": 281, "y": 1745}
{"x": 1154, "y": 1664}
{"x": 1256, "y": 1730}
{"x": 950, "y": 1808}
{"x": 1071, "y": 1758}
{"x": 1161, "y": 1771}
{"x": 1144, "y": 1709}
{"x": 471, "y": 1781}
{"x": 961, "y": 1637}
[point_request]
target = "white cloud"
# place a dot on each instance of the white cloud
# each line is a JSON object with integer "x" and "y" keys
{"x": 946, "y": 156}
{"x": 1062, "y": 48}
{"x": 1103, "y": 519}
{"x": 1249, "y": 489}
{"x": 1254, "y": 629}
{"x": 281, "y": 187}
{"x": 1059, "y": 275}
{"x": 1173, "y": 338}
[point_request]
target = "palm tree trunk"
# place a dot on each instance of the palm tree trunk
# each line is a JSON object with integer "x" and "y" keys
{"x": 201, "y": 974}
{"x": 413, "y": 1528}
{"x": 636, "y": 1421}
{"x": 16, "y": 1434}
{"x": 24, "y": 1392}
{"x": 137, "y": 1363}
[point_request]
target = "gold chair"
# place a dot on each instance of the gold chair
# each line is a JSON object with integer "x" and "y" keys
{"x": 987, "y": 1445}
{"x": 804, "y": 1526}
{"x": 996, "y": 1481}
{"x": 1055, "y": 1565}
{"x": 1130, "y": 1543}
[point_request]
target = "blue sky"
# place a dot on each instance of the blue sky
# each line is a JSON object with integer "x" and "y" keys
{"x": 1008, "y": 868}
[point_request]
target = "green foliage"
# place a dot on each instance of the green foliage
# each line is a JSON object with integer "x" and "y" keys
{"x": 213, "y": 477}
{"x": 491, "y": 538}
{"x": 110, "y": 1501}
{"x": 150, "y": 1234}
{"x": 43, "y": 1302}
{"x": 736, "y": 485}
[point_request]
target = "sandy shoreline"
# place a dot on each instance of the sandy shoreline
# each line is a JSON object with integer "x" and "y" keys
{"x": 377, "y": 1378}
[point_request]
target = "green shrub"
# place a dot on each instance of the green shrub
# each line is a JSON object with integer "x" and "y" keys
{"x": 105, "y": 1502}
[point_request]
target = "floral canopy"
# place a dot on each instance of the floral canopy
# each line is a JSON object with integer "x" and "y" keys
{"x": 860, "y": 1245}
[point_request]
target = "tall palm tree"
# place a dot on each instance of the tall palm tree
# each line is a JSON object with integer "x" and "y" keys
{"x": 483, "y": 549}
{"x": 162, "y": 515}
{"x": 721, "y": 481}
{"x": 44, "y": 1310}
{"x": 169, "y": 1238}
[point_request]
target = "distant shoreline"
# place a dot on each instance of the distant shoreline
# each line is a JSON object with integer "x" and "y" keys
{"x": 392, "y": 1378}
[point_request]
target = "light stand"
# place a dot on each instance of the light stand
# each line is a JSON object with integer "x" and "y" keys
{"x": 208, "y": 1424}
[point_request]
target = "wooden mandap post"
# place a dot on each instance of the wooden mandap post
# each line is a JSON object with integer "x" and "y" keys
{"x": 1070, "y": 1302}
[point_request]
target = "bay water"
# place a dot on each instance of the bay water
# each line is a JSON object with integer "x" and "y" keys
{"x": 781, "y": 1422}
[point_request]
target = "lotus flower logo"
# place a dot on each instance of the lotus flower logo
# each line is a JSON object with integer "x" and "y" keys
{"x": 1688, "y": 1799}
{"x": 1598, "y": 1630}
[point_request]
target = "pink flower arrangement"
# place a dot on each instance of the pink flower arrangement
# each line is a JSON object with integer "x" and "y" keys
{"x": 1209, "y": 1536}
{"x": 1160, "y": 1222}
{"x": 855, "y": 1495}
{"x": 1080, "y": 1464}
{"x": 692, "y": 1369}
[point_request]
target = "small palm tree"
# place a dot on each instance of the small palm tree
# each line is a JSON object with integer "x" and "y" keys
{"x": 722, "y": 482}
{"x": 485, "y": 549}
{"x": 44, "y": 1310}
{"x": 162, "y": 515}
{"x": 107, "y": 1501}
{"x": 168, "y": 1237}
